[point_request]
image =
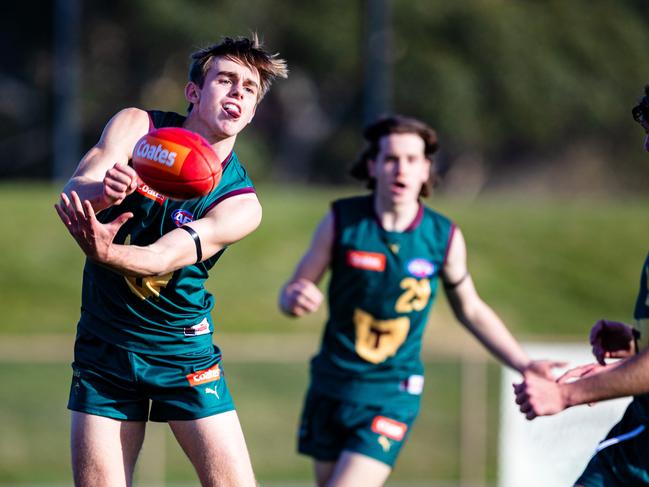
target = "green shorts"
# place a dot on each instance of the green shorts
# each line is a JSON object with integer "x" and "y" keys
{"x": 112, "y": 382}
{"x": 330, "y": 426}
{"x": 622, "y": 458}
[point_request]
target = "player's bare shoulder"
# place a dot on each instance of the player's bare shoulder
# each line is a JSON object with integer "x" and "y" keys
{"x": 124, "y": 129}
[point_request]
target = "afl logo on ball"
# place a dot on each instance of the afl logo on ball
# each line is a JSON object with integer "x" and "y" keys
{"x": 182, "y": 217}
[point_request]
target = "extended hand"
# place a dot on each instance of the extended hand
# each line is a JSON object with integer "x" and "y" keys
{"x": 94, "y": 238}
{"x": 544, "y": 367}
{"x": 580, "y": 372}
{"x": 611, "y": 339}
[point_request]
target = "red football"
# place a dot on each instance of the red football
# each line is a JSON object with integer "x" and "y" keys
{"x": 177, "y": 163}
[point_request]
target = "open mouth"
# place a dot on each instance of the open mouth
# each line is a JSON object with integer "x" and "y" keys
{"x": 398, "y": 186}
{"x": 233, "y": 110}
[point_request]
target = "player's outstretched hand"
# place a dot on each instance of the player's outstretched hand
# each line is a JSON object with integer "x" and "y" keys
{"x": 94, "y": 238}
{"x": 544, "y": 367}
{"x": 611, "y": 339}
{"x": 119, "y": 181}
{"x": 300, "y": 297}
{"x": 580, "y": 372}
{"x": 538, "y": 396}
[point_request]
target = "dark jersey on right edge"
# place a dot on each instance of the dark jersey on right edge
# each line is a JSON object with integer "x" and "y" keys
{"x": 641, "y": 316}
{"x": 380, "y": 293}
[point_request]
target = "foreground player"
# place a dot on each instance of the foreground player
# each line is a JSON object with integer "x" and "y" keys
{"x": 622, "y": 459}
{"x": 144, "y": 348}
{"x": 386, "y": 251}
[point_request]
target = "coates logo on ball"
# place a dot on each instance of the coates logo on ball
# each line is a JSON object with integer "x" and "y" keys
{"x": 177, "y": 163}
{"x": 161, "y": 153}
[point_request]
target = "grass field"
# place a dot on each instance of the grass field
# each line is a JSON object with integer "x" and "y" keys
{"x": 34, "y": 449}
{"x": 550, "y": 268}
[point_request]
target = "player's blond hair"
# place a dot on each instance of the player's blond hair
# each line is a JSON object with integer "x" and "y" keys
{"x": 395, "y": 124}
{"x": 248, "y": 51}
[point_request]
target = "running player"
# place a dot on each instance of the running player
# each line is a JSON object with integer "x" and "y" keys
{"x": 144, "y": 348}
{"x": 621, "y": 459}
{"x": 386, "y": 251}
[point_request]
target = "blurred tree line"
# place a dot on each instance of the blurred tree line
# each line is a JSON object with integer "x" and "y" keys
{"x": 524, "y": 94}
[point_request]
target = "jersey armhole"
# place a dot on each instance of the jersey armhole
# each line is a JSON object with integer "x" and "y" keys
{"x": 151, "y": 124}
{"x": 451, "y": 233}
{"x": 337, "y": 230}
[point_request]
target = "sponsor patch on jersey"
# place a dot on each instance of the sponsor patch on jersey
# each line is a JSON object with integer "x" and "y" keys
{"x": 369, "y": 261}
{"x": 389, "y": 427}
{"x": 414, "y": 384}
{"x": 202, "y": 328}
{"x": 420, "y": 267}
{"x": 182, "y": 217}
{"x": 204, "y": 376}
{"x": 149, "y": 192}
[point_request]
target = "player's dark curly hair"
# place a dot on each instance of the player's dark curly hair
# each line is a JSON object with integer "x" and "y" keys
{"x": 395, "y": 124}
{"x": 640, "y": 112}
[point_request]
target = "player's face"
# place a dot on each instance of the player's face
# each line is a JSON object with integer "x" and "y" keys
{"x": 400, "y": 167}
{"x": 227, "y": 101}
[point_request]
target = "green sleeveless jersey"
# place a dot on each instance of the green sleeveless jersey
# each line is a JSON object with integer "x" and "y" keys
{"x": 380, "y": 293}
{"x": 167, "y": 314}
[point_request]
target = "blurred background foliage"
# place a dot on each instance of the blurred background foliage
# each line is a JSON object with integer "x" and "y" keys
{"x": 530, "y": 96}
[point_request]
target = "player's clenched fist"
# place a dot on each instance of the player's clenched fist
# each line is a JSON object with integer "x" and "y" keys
{"x": 611, "y": 339}
{"x": 119, "y": 181}
{"x": 538, "y": 396}
{"x": 300, "y": 297}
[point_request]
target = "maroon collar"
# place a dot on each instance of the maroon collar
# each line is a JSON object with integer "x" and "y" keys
{"x": 413, "y": 224}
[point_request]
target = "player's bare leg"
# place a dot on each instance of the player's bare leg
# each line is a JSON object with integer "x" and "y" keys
{"x": 216, "y": 447}
{"x": 104, "y": 450}
{"x": 323, "y": 472}
{"x": 354, "y": 469}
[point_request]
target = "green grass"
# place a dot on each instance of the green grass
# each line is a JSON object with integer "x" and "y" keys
{"x": 34, "y": 441}
{"x": 548, "y": 267}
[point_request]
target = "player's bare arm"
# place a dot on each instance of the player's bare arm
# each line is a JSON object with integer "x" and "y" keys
{"x": 478, "y": 317}
{"x": 538, "y": 396}
{"x": 103, "y": 175}
{"x": 300, "y": 295}
{"x": 228, "y": 222}
{"x": 629, "y": 377}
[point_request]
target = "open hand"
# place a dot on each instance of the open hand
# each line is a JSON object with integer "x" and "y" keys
{"x": 544, "y": 367}
{"x": 94, "y": 238}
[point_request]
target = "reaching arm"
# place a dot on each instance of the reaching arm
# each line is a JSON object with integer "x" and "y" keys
{"x": 300, "y": 295}
{"x": 477, "y": 316}
{"x": 103, "y": 176}
{"x": 229, "y": 221}
{"x": 538, "y": 396}
{"x": 629, "y": 378}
